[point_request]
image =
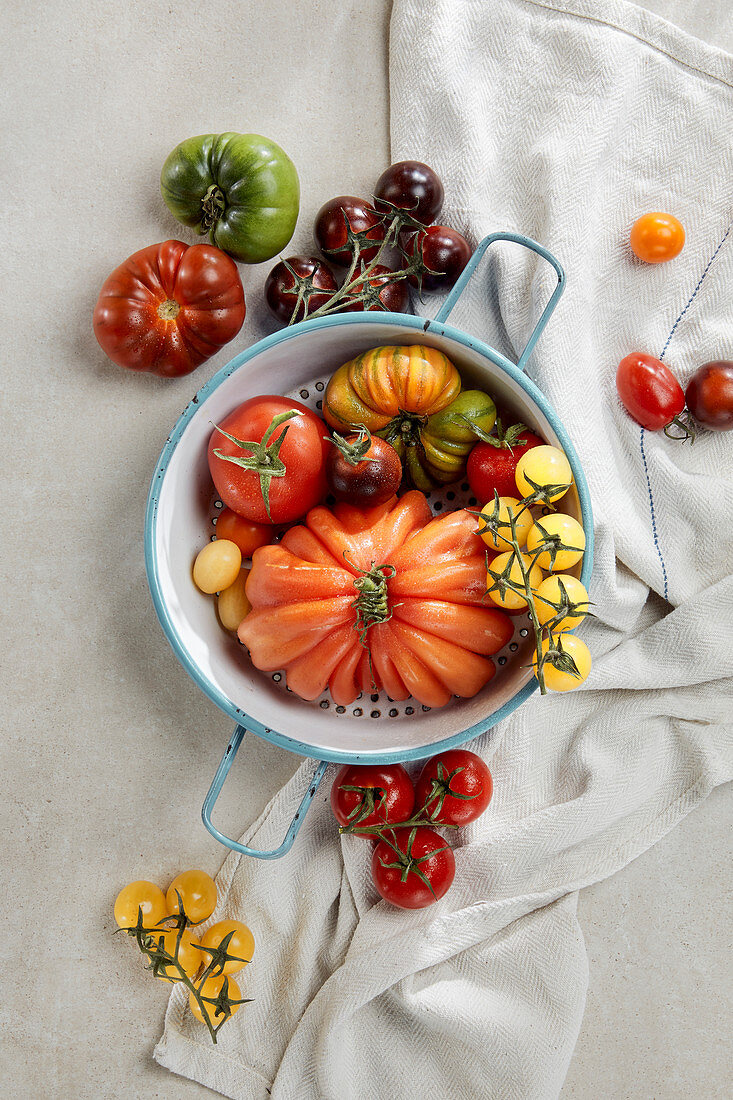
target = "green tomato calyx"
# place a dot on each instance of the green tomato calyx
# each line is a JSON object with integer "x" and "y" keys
{"x": 264, "y": 457}
{"x": 213, "y": 205}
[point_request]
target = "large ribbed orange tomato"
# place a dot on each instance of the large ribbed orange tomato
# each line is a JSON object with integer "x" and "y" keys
{"x": 388, "y": 598}
{"x": 391, "y": 387}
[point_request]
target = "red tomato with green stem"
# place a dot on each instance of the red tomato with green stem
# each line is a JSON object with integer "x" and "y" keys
{"x": 492, "y": 465}
{"x": 455, "y": 787}
{"x": 413, "y": 868}
{"x": 169, "y": 307}
{"x": 267, "y": 459}
{"x": 649, "y": 392}
{"x": 371, "y": 794}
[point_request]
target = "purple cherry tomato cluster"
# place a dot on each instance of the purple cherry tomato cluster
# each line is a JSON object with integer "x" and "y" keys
{"x": 383, "y": 247}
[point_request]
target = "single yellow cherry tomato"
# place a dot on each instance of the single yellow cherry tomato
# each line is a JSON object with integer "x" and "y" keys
{"x": 510, "y": 599}
{"x": 211, "y": 988}
{"x": 549, "y": 601}
{"x": 198, "y": 894}
{"x": 555, "y": 678}
{"x": 556, "y": 526}
{"x": 544, "y": 466}
{"x": 656, "y": 237}
{"x": 140, "y": 895}
{"x": 508, "y": 506}
{"x": 232, "y": 604}
{"x": 217, "y": 566}
{"x": 189, "y": 956}
{"x": 241, "y": 945}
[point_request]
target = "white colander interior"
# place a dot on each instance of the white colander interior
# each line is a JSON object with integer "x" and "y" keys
{"x": 187, "y": 508}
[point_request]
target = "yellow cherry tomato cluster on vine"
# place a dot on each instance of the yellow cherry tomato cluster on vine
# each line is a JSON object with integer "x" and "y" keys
{"x": 162, "y": 926}
{"x": 531, "y": 546}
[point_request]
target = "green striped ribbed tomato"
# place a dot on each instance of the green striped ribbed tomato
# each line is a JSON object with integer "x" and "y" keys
{"x": 447, "y": 438}
{"x": 411, "y": 396}
{"x": 241, "y": 189}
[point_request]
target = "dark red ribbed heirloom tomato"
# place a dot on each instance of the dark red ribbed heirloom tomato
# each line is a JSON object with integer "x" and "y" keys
{"x": 169, "y": 307}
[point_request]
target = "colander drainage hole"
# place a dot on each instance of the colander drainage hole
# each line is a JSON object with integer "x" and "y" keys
{"x": 376, "y": 714}
{"x": 513, "y": 647}
{"x": 393, "y": 713}
{"x": 409, "y": 710}
{"x": 341, "y": 710}
{"x": 304, "y": 394}
{"x": 320, "y": 386}
{"x": 358, "y": 712}
{"x": 523, "y": 632}
{"x": 501, "y": 661}
{"x": 324, "y": 704}
{"x": 276, "y": 677}
{"x": 374, "y": 698}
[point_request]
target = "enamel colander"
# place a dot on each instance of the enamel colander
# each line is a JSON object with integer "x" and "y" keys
{"x": 182, "y": 507}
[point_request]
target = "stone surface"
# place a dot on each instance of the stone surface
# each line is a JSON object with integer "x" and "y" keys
{"x": 108, "y": 748}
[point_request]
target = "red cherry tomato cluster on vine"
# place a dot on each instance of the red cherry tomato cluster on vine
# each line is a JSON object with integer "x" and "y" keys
{"x": 388, "y": 245}
{"x": 647, "y": 388}
{"x": 413, "y": 865}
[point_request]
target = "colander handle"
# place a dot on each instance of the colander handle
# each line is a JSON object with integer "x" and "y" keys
{"x": 515, "y": 238}
{"x": 218, "y": 782}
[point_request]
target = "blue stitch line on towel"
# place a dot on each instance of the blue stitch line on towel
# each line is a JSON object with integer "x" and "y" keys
{"x": 694, "y": 293}
{"x": 651, "y": 508}
{"x": 642, "y": 430}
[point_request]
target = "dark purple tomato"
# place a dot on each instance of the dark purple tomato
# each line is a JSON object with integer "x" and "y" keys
{"x": 394, "y": 295}
{"x": 709, "y": 395}
{"x": 330, "y": 228}
{"x": 411, "y": 186}
{"x": 363, "y": 470}
{"x": 281, "y": 292}
{"x": 445, "y": 251}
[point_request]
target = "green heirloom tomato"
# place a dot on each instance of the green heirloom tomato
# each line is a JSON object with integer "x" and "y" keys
{"x": 448, "y": 437}
{"x": 242, "y": 189}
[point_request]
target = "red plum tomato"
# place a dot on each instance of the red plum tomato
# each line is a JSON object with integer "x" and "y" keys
{"x": 419, "y": 850}
{"x": 455, "y": 787}
{"x": 649, "y": 391}
{"x": 169, "y": 307}
{"x": 445, "y": 251}
{"x": 372, "y": 794}
{"x": 330, "y": 228}
{"x": 284, "y": 466}
{"x": 281, "y": 293}
{"x": 411, "y": 186}
{"x": 709, "y": 395}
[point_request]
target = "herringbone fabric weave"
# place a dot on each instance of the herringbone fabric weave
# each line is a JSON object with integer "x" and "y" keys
{"x": 546, "y": 119}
